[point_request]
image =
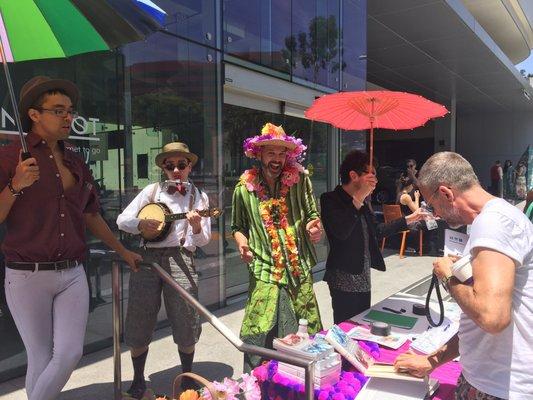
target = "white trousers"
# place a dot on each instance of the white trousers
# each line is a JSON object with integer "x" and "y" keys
{"x": 50, "y": 309}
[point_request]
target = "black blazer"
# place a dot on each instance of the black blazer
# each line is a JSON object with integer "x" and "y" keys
{"x": 342, "y": 223}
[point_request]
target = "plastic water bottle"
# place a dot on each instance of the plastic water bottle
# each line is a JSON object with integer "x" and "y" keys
{"x": 302, "y": 329}
{"x": 431, "y": 222}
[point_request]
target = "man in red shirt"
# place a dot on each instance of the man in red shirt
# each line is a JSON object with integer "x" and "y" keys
{"x": 47, "y": 202}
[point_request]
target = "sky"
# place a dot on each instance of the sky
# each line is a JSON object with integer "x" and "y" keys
{"x": 527, "y": 64}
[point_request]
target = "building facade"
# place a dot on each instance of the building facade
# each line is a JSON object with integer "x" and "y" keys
{"x": 223, "y": 68}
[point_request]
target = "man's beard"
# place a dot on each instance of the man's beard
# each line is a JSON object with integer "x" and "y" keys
{"x": 453, "y": 219}
{"x": 272, "y": 169}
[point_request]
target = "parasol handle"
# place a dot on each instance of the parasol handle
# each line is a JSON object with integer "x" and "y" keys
{"x": 371, "y": 145}
{"x": 25, "y": 153}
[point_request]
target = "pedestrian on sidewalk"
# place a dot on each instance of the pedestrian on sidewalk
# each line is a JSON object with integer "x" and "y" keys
{"x": 47, "y": 202}
{"x": 174, "y": 253}
{"x": 494, "y": 338}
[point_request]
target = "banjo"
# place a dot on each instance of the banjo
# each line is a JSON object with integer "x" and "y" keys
{"x": 160, "y": 212}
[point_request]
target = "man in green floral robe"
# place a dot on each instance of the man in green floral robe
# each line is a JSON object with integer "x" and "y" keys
{"x": 275, "y": 223}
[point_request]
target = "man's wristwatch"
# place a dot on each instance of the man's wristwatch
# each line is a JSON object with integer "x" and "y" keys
{"x": 446, "y": 282}
{"x": 12, "y": 189}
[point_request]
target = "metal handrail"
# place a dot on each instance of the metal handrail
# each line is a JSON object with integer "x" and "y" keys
{"x": 309, "y": 366}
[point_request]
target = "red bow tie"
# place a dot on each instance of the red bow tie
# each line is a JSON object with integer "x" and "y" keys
{"x": 179, "y": 188}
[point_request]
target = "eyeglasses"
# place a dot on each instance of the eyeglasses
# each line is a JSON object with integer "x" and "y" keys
{"x": 59, "y": 112}
{"x": 428, "y": 205}
{"x": 181, "y": 165}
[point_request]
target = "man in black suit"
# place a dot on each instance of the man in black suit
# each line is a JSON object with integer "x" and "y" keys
{"x": 353, "y": 236}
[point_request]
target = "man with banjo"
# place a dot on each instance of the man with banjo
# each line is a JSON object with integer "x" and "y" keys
{"x": 171, "y": 245}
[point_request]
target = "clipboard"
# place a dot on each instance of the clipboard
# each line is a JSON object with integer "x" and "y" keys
{"x": 400, "y": 321}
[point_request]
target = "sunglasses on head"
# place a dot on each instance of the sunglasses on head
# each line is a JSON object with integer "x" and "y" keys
{"x": 181, "y": 165}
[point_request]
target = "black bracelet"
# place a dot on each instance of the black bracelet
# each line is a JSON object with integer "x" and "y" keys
{"x": 12, "y": 189}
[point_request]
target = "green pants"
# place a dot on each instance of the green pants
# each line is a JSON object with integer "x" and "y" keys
{"x": 273, "y": 311}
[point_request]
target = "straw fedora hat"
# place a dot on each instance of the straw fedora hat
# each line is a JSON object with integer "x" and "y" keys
{"x": 38, "y": 85}
{"x": 175, "y": 149}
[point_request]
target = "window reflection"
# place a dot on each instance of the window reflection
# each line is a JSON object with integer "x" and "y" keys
{"x": 256, "y": 30}
{"x": 95, "y": 137}
{"x": 192, "y": 19}
{"x": 301, "y": 37}
{"x": 314, "y": 42}
{"x": 354, "y": 45}
{"x": 172, "y": 92}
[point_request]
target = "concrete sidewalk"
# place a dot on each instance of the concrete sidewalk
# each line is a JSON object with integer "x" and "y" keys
{"x": 215, "y": 357}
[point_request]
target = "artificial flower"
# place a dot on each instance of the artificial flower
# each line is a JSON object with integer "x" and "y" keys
{"x": 189, "y": 395}
{"x": 249, "y": 386}
{"x": 269, "y": 132}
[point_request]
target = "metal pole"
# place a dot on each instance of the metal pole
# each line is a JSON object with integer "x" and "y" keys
{"x": 115, "y": 282}
{"x": 372, "y": 117}
{"x": 26, "y": 154}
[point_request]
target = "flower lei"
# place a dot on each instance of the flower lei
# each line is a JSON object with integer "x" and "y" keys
{"x": 274, "y": 212}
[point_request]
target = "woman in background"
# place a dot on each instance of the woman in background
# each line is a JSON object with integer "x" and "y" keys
{"x": 520, "y": 183}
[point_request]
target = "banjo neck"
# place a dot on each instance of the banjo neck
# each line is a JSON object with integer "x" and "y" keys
{"x": 175, "y": 217}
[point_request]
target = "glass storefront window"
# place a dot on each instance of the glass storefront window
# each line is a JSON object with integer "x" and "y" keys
{"x": 352, "y": 140}
{"x": 94, "y": 137}
{"x": 191, "y": 19}
{"x": 314, "y": 43}
{"x": 354, "y": 45}
{"x": 301, "y": 37}
{"x": 256, "y": 31}
{"x": 172, "y": 95}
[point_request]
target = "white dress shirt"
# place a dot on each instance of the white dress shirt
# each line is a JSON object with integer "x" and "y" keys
{"x": 127, "y": 221}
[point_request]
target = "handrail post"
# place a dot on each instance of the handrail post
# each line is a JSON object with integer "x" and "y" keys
{"x": 310, "y": 381}
{"x": 115, "y": 282}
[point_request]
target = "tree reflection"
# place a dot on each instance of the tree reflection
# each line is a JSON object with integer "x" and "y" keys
{"x": 316, "y": 50}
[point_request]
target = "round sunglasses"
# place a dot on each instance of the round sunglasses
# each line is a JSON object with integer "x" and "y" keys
{"x": 181, "y": 165}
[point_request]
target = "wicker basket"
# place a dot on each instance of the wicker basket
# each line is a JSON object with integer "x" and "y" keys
{"x": 176, "y": 390}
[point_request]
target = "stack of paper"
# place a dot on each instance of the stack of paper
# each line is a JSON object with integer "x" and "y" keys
{"x": 327, "y": 365}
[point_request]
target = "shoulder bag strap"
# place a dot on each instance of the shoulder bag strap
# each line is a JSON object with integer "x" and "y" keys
{"x": 192, "y": 198}
{"x": 154, "y": 191}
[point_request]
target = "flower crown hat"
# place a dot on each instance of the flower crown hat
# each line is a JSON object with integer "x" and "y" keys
{"x": 273, "y": 135}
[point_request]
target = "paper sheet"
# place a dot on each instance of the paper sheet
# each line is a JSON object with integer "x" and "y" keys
{"x": 454, "y": 242}
{"x": 393, "y": 341}
{"x": 381, "y": 389}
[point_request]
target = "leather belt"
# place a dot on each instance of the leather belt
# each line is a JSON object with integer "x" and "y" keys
{"x": 43, "y": 266}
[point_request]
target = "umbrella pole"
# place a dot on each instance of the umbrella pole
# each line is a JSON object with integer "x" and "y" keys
{"x": 371, "y": 144}
{"x": 25, "y": 154}
{"x": 372, "y": 117}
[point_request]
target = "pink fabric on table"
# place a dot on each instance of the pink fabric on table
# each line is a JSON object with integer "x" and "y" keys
{"x": 446, "y": 374}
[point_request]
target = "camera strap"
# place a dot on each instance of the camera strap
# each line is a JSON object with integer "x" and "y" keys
{"x": 434, "y": 286}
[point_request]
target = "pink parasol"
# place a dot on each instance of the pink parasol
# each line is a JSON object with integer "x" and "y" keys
{"x": 374, "y": 109}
